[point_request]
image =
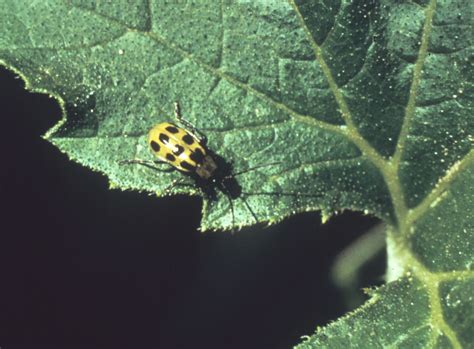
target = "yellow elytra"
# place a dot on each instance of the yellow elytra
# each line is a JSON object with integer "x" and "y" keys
{"x": 181, "y": 149}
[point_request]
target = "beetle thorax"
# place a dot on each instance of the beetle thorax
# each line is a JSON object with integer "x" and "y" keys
{"x": 206, "y": 168}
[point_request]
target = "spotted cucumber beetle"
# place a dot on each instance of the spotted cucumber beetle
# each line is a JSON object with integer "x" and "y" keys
{"x": 184, "y": 148}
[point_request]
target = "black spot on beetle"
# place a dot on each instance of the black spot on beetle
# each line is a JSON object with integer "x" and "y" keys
{"x": 170, "y": 157}
{"x": 197, "y": 156}
{"x": 164, "y": 138}
{"x": 155, "y": 146}
{"x": 188, "y": 139}
{"x": 178, "y": 150}
{"x": 186, "y": 165}
{"x": 172, "y": 129}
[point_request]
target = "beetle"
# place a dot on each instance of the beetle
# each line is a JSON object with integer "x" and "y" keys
{"x": 185, "y": 148}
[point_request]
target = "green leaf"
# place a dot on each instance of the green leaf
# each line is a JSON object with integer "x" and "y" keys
{"x": 364, "y": 105}
{"x": 245, "y": 75}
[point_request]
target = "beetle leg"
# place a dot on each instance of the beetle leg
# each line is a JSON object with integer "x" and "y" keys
{"x": 250, "y": 210}
{"x": 229, "y": 197}
{"x": 148, "y": 163}
{"x": 178, "y": 183}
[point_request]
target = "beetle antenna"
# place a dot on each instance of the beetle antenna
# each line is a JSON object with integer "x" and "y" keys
{"x": 250, "y": 169}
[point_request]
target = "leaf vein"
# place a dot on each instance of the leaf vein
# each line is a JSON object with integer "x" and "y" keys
{"x": 439, "y": 188}
{"x": 417, "y": 72}
{"x": 353, "y": 132}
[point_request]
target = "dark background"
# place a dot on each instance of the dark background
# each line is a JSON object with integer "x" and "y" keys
{"x": 82, "y": 266}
